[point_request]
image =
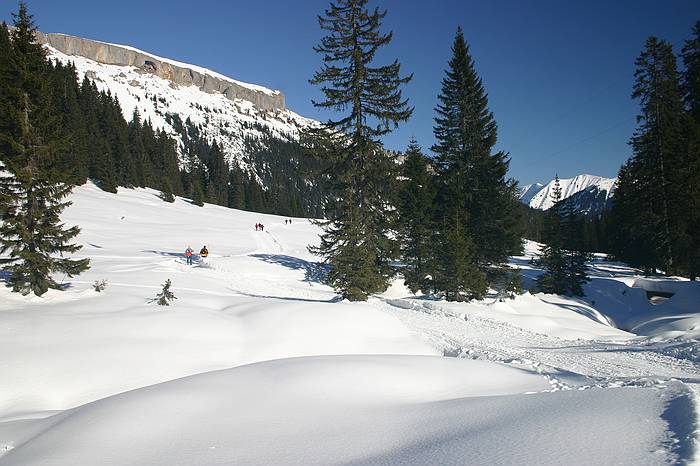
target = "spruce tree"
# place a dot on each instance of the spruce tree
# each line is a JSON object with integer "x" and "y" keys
{"x": 576, "y": 252}
{"x": 416, "y": 229}
{"x": 456, "y": 272}
{"x": 656, "y": 206}
{"x": 31, "y": 198}
{"x": 32, "y": 233}
{"x": 552, "y": 257}
{"x": 197, "y": 194}
{"x": 690, "y": 86}
{"x": 167, "y": 193}
{"x": 357, "y": 240}
{"x": 472, "y": 180}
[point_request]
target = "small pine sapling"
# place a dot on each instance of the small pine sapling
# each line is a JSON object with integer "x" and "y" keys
{"x": 514, "y": 285}
{"x": 165, "y": 296}
{"x": 99, "y": 285}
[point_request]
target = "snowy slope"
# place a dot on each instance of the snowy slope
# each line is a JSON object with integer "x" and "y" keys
{"x": 539, "y": 196}
{"x": 256, "y": 362}
{"x": 528, "y": 191}
{"x": 227, "y": 121}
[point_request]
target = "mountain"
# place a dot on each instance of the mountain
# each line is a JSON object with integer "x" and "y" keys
{"x": 590, "y": 193}
{"x": 169, "y": 93}
{"x": 528, "y": 192}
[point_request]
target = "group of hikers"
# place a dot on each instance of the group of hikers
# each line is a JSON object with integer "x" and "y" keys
{"x": 204, "y": 252}
{"x": 189, "y": 253}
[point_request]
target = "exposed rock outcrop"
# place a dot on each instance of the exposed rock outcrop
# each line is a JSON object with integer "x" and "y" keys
{"x": 181, "y": 75}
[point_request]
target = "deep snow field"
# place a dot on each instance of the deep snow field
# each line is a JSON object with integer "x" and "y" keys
{"x": 257, "y": 362}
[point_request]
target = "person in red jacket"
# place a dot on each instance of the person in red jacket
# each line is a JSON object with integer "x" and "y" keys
{"x": 188, "y": 255}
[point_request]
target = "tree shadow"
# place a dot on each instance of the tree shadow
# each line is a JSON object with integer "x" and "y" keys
{"x": 334, "y": 299}
{"x": 164, "y": 253}
{"x": 680, "y": 414}
{"x": 584, "y": 311}
{"x": 313, "y": 271}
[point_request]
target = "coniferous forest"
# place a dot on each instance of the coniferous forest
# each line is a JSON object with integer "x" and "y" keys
{"x": 446, "y": 220}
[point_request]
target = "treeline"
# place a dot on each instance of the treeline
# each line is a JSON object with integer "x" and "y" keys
{"x": 655, "y": 219}
{"x": 594, "y": 229}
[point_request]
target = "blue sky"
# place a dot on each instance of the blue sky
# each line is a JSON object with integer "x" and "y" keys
{"x": 559, "y": 73}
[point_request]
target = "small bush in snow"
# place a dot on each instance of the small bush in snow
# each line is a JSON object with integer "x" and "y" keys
{"x": 165, "y": 296}
{"x": 514, "y": 285}
{"x": 99, "y": 285}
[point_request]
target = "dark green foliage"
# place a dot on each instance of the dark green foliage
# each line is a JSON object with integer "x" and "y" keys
{"x": 456, "y": 274}
{"x": 563, "y": 255}
{"x": 415, "y": 223}
{"x": 552, "y": 256}
{"x": 31, "y": 194}
{"x": 197, "y": 194}
{"x": 472, "y": 183}
{"x": 32, "y": 233}
{"x": 167, "y": 193}
{"x": 514, "y": 284}
{"x": 165, "y": 296}
{"x": 360, "y": 174}
{"x": 690, "y": 86}
{"x": 656, "y": 199}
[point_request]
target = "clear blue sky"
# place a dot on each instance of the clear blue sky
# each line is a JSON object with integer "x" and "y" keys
{"x": 558, "y": 73}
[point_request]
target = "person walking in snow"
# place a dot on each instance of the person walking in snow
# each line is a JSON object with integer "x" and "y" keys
{"x": 204, "y": 252}
{"x": 188, "y": 255}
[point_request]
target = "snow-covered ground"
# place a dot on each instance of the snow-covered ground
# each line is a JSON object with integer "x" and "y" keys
{"x": 257, "y": 362}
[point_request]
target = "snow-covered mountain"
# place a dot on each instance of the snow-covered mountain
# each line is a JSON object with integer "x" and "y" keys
{"x": 590, "y": 193}
{"x": 226, "y": 110}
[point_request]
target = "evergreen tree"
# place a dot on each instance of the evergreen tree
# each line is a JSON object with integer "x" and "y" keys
{"x": 472, "y": 181}
{"x": 197, "y": 194}
{"x": 31, "y": 199}
{"x": 357, "y": 240}
{"x": 690, "y": 80}
{"x": 165, "y": 296}
{"x": 575, "y": 250}
{"x": 456, "y": 272}
{"x": 563, "y": 255}
{"x": 416, "y": 227}
{"x": 167, "y": 192}
{"x": 236, "y": 189}
{"x": 32, "y": 233}
{"x": 655, "y": 206}
{"x": 552, "y": 257}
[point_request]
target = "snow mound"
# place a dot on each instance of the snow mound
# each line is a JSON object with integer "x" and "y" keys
{"x": 356, "y": 410}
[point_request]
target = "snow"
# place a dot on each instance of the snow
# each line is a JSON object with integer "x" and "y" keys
{"x": 221, "y": 119}
{"x": 257, "y": 362}
{"x": 539, "y": 196}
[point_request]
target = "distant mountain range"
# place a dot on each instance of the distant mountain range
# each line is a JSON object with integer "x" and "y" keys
{"x": 590, "y": 194}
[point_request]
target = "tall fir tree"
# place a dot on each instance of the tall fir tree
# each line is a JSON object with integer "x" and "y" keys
{"x": 357, "y": 241}
{"x": 690, "y": 86}
{"x": 657, "y": 204}
{"x": 416, "y": 230}
{"x": 31, "y": 199}
{"x": 472, "y": 180}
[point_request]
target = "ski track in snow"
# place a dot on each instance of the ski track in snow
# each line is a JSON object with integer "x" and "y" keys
{"x": 603, "y": 364}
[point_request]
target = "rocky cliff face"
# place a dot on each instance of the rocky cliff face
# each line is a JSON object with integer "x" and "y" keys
{"x": 209, "y": 82}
